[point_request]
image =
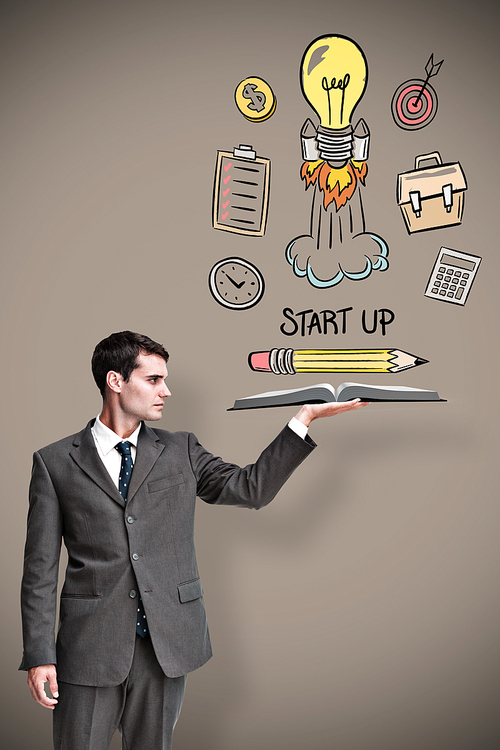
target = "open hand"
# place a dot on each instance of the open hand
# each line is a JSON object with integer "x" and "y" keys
{"x": 310, "y": 412}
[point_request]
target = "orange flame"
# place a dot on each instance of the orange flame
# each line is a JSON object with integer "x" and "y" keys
{"x": 310, "y": 171}
{"x": 337, "y": 185}
{"x": 362, "y": 168}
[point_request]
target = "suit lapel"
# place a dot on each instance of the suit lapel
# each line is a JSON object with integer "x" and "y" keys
{"x": 86, "y": 456}
{"x": 148, "y": 453}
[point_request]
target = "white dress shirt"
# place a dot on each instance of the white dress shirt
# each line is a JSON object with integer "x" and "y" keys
{"x": 106, "y": 441}
{"x": 298, "y": 427}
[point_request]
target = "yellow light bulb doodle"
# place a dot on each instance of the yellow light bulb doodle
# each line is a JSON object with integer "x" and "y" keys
{"x": 334, "y": 75}
{"x": 333, "y": 78}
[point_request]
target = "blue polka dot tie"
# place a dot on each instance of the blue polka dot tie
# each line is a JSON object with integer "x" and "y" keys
{"x": 123, "y": 483}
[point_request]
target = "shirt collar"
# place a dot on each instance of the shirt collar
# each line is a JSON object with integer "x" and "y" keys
{"x": 108, "y": 439}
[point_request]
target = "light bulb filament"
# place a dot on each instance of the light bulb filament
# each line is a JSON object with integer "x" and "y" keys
{"x": 341, "y": 84}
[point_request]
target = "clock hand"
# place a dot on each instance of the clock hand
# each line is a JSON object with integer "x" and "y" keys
{"x": 238, "y": 286}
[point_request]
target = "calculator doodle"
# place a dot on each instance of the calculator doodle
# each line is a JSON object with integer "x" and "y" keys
{"x": 452, "y": 276}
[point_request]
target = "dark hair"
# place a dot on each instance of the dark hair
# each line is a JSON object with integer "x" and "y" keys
{"x": 119, "y": 352}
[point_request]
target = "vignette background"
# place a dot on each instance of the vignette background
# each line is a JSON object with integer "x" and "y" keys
{"x": 360, "y": 610}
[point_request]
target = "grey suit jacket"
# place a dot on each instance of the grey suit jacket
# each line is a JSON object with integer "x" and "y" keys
{"x": 118, "y": 550}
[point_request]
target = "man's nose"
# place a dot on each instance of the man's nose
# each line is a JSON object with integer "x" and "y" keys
{"x": 164, "y": 393}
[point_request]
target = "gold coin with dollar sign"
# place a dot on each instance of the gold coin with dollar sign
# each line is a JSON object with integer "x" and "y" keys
{"x": 255, "y": 99}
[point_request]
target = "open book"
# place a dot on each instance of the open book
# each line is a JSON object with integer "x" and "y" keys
{"x": 325, "y": 393}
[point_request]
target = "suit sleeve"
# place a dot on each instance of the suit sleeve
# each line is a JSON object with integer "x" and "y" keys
{"x": 254, "y": 485}
{"x": 41, "y": 567}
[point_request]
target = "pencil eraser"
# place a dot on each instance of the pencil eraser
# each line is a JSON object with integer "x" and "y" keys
{"x": 259, "y": 361}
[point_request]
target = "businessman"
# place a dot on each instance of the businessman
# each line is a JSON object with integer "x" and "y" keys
{"x": 121, "y": 495}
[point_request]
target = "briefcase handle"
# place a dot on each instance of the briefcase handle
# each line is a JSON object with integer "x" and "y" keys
{"x": 423, "y": 157}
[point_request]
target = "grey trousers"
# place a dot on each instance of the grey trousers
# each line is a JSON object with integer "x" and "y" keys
{"x": 144, "y": 708}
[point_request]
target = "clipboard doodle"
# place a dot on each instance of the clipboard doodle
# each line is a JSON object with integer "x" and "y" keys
{"x": 241, "y": 192}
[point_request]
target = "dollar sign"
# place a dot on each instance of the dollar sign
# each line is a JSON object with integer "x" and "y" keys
{"x": 258, "y": 97}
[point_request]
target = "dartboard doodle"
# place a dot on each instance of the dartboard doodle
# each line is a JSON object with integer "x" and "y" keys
{"x": 414, "y": 104}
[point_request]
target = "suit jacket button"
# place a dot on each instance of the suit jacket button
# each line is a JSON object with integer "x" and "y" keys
{"x": 132, "y": 593}
{"x": 135, "y": 556}
{"x": 130, "y": 519}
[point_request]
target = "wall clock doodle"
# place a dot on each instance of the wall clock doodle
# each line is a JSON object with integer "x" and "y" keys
{"x": 235, "y": 283}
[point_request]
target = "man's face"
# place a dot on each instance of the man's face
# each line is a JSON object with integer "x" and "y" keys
{"x": 142, "y": 396}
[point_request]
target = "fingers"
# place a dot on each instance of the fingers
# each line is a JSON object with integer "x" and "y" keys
{"x": 351, "y": 405}
{"x": 37, "y": 677}
{"x": 355, "y": 404}
{"x": 310, "y": 412}
{"x": 53, "y": 686}
{"x": 326, "y": 410}
{"x": 331, "y": 410}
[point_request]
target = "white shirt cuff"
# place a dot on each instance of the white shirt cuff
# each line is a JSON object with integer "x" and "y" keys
{"x": 298, "y": 427}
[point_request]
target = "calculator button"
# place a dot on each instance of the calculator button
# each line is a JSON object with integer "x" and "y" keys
{"x": 453, "y": 287}
{"x": 442, "y": 292}
{"x": 439, "y": 276}
{"x": 445, "y": 286}
{"x": 457, "y": 273}
{"x": 442, "y": 269}
{"x": 466, "y": 275}
{"x": 447, "y": 278}
{"x": 460, "y": 291}
{"x": 450, "y": 294}
{"x": 437, "y": 283}
{"x": 463, "y": 283}
{"x": 435, "y": 290}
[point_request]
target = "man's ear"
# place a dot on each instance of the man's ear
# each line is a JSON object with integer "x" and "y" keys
{"x": 114, "y": 381}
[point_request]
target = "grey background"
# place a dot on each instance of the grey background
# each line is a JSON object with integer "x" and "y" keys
{"x": 360, "y": 610}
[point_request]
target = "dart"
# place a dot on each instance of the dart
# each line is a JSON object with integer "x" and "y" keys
{"x": 414, "y": 104}
{"x": 432, "y": 70}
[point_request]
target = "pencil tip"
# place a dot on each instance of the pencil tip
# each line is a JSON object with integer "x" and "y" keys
{"x": 420, "y": 361}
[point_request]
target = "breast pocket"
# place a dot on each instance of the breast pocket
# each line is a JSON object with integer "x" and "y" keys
{"x": 166, "y": 483}
{"x": 190, "y": 590}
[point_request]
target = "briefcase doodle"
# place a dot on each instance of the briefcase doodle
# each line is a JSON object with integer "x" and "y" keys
{"x": 432, "y": 197}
